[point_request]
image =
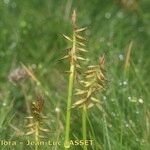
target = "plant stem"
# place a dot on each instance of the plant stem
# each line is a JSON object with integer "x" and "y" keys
{"x": 36, "y": 135}
{"x": 84, "y": 129}
{"x": 70, "y": 93}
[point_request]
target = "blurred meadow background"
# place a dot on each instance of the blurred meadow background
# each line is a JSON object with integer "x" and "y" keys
{"x": 30, "y": 34}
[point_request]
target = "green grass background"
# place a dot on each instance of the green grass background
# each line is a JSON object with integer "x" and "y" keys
{"x": 30, "y": 32}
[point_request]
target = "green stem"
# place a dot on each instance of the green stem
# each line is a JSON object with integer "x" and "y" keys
{"x": 70, "y": 93}
{"x": 84, "y": 129}
{"x": 36, "y": 135}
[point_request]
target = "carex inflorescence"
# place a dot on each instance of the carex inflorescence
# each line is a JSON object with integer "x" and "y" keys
{"x": 94, "y": 81}
{"x": 77, "y": 42}
{"x": 36, "y": 119}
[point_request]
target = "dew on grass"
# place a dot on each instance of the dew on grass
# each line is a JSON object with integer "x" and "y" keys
{"x": 127, "y": 125}
{"x": 112, "y": 100}
{"x": 132, "y": 99}
{"x": 4, "y": 104}
{"x": 129, "y": 97}
{"x": 120, "y": 83}
{"x": 121, "y": 57}
{"x": 40, "y": 66}
{"x": 104, "y": 97}
{"x": 57, "y": 109}
{"x": 125, "y": 82}
{"x": 140, "y": 100}
{"x": 137, "y": 112}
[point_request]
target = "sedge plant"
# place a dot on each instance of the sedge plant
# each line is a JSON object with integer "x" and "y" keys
{"x": 92, "y": 83}
{"x": 35, "y": 121}
{"x": 73, "y": 55}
